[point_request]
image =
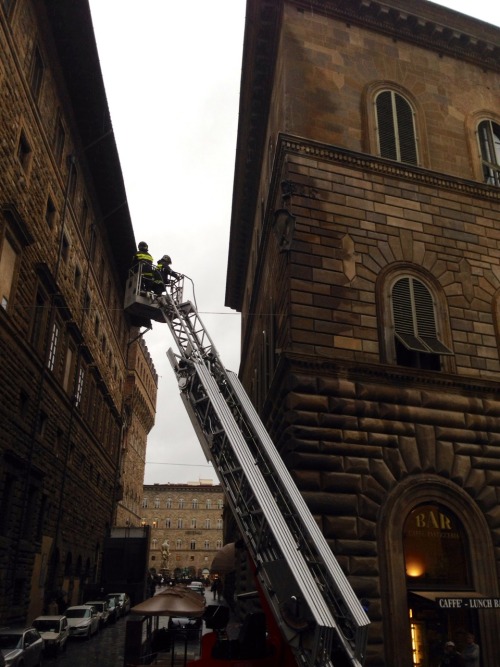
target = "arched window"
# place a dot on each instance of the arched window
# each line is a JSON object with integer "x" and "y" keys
{"x": 192, "y": 545}
{"x": 195, "y": 504}
{"x": 395, "y": 122}
{"x": 157, "y": 502}
{"x": 220, "y": 504}
{"x": 489, "y": 145}
{"x": 179, "y": 523}
{"x": 208, "y": 504}
{"x": 181, "y": 503}
{"x": 178, "y": 544}
{"x": 219, "y": 524}
{"x": 417, "y": 343}
{"x": 435, "y": 548}
{"x": 207, "y": 523}
{"x": 168, "y": 523}
{"x": 218, "y": 544}
{"x": 145, "y": 502}
{"x": 193, "y": 523}
{"x": 168, "y": 503}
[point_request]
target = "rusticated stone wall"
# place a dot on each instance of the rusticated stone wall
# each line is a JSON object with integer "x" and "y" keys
{"x": 353, "y": 438}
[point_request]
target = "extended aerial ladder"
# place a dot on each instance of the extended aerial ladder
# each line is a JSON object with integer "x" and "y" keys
{"x": 314, "y": 605}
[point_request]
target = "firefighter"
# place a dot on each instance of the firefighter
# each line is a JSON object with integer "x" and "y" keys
{"x": 165, "y": 273}
{"x": 142, "y": 257}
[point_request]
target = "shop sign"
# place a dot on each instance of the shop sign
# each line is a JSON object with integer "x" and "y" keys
{"x": 468, "y": 603}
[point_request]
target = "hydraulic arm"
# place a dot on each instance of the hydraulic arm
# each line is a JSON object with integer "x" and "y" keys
{"x": 316, "y": 608}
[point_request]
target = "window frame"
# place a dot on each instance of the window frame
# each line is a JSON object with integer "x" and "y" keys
{"x": 385, "y": 316}
{"x": 9, "y": 269}
{"x": 489, "y": 144}
{"x": 399, "y": 131}
{"x": 370, "y": 122}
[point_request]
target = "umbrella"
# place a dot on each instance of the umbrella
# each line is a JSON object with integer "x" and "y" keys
{"x": 224, "y": 560}
{"x": 174, "y": 601}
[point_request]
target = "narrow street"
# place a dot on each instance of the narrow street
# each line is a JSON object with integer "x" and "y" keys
{"x": 107, "y": 648}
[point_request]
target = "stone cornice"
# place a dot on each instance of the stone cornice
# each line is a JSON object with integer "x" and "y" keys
{"x": 391, "y": 375}
{"x": 388, "y": 168}
{"x": 424, "y": 23}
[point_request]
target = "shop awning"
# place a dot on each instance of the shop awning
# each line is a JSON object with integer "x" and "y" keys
{"x": 434, "y": 595}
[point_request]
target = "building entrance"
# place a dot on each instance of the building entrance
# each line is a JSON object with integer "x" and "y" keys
{"x": 432, "y": 626}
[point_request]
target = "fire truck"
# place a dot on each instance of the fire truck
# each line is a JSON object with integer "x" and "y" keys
{"x": 310, "y": 614}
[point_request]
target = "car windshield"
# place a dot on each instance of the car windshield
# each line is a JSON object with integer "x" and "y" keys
{"x": 8, "y": 642}
{"x": 46, "y": 626}
{"x": 98, "y": 605}
{"x": 77, "y": 613}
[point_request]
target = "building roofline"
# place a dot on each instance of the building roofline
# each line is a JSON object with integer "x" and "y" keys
{"x": 418, "y": 21}
{"x": 73, "y": 34}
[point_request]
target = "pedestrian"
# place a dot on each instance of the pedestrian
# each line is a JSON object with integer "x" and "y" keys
{"x": 470, "y": 653}
{"x": 143, "y": 259}
{"x": 451, "y": 657}
{"x": 217, "y": 589}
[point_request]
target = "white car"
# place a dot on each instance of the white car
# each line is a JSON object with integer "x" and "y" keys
{"x": 21, "y": 646}
{"x": 82, "y": 621}
{"x": 102, "y": 609}
{"x": 54, "y": 631}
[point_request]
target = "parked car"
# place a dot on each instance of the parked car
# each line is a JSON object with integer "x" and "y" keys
{"x": 123, "y": 602}
{"x": 54, "y": 631}
{"x": 82, "y": 621}
{"x": 196, "y": 586}
{"x": 21, "y": 646}
{"x": 102, "y": 609}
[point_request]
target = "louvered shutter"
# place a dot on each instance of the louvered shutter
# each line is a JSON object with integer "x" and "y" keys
{"x": 404, "y": 324}
{"x": 396, "y": 128}
{"x": 385, "y": 124}
{"x": 426, "y": 323}
{"x": 414, "y": 318}
{"x": 406, "y": 131}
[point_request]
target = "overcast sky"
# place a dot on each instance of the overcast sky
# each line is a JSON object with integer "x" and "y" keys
{"x": 172, "y": 75}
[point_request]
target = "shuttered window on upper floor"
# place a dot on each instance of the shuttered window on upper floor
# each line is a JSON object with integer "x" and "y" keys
{"x": 396, "y": 133}
{"x": 489, "y": 144}
{"x": 415, "y": 330}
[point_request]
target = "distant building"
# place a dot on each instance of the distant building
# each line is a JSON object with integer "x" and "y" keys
{"x": 66, "y": 241}
{"x": 186, "y": 525}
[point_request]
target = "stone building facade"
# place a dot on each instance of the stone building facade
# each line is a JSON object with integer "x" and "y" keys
{"x": 66, "y": 241}
{"x": 141, "y": 389}
{"x": 186, "y": 524}
{"x": 365, "y": 260}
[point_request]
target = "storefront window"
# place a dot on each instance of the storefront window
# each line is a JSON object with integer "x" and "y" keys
{"x": 435, "y": 548}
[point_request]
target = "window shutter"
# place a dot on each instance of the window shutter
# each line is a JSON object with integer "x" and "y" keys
{"x": 414, "y": 317}
{"x": 406, "y": 131}
{"x": 396, "y": 128}
{"x": 404, "y": 324}
{"x": 385, "y": 122}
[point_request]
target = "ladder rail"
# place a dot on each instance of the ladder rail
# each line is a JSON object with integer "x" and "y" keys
{"x": 250, "y": 468}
